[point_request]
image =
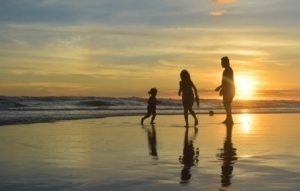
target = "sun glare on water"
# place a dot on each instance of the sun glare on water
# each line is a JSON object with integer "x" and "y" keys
{"x": 245, "y": 118}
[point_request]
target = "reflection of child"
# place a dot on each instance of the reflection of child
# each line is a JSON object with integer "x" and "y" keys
{"x": 151, "y": 106}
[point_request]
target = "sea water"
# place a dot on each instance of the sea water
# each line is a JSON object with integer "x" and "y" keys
{"x": 26, "y": 110}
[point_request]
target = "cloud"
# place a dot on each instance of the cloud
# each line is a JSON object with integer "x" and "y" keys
{"x": 282, "y": 64}
{"x": 218, "y": 13}
{"x": 223, "y": 1}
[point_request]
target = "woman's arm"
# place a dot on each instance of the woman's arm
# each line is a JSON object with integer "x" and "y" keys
{"x": 218, "y": 88}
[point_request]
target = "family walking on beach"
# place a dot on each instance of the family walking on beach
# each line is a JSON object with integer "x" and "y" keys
{"x": 189, "y": 94}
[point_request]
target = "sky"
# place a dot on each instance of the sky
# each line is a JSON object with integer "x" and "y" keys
{"x": 122, "y": 48}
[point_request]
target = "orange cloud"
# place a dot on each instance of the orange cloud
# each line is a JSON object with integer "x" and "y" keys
{"x": 218, "y": 13}
{"x": 223, "y": 1}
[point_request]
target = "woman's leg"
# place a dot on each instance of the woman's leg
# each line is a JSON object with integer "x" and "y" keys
{"x": 227, "y": 107}
{"x": 227, "y": 100}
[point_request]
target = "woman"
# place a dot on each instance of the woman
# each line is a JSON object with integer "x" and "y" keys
{"x": 227, "y": 88}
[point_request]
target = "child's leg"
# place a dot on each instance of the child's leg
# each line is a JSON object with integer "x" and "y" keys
{"x": 194, "y": 115}
{"x": 186, "y": 117}
{"x": 145, "y": 117}
{"x": 153, "y": 117}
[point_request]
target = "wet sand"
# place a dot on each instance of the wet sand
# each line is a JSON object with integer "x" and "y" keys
{"x": 259, "y": 152}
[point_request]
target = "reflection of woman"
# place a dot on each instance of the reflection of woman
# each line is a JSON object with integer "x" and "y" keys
{"x": 190, "y": 156}
{"x": 152, "y": 142}
{"x": 228, "y": 156}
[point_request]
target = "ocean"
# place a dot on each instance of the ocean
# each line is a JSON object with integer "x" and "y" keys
{"x": 26, "y": 110}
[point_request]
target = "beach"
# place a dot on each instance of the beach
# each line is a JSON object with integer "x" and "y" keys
{"x": 259, "y": 152}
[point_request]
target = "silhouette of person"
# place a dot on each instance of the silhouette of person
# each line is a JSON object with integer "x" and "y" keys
{"x": 190, "y": 156}
{"x": 227, "y": 88}
{"x": 151, "y": 109}
{"x": 152, "y": 143}
{"x": 228, "y": 156}
{"x": 186, "y": 87}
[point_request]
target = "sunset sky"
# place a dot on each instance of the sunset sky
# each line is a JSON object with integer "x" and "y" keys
{"x": 123, "y": 48}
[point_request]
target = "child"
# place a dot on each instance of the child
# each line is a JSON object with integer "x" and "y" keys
{"x": 186, "y": 87}
{"x": 151, "y": 106}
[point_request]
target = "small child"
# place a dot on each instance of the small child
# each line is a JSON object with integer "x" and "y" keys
{"x": 151, "y": 106}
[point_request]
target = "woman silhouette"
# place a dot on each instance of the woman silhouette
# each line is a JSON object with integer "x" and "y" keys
{"x": 227, "y": 88}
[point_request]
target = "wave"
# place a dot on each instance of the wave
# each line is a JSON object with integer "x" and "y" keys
{"x": 11, "y": 104}
{"x": 96, "y": 103}
{"x": 29, "y": 117}
{"x": 21, "y": 110}
{"x": 65, "y": 102}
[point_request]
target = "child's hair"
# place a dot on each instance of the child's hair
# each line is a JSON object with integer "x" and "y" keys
{"x": 184, "y": 75}
{"x": 152, "y": 91}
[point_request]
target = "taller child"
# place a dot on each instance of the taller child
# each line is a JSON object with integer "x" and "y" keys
{"x": 227, "y": 88}
{"x": 186, "y": 87}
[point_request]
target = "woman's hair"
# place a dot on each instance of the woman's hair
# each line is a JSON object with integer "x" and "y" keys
{"x": 152, "y": 91}
{"x": 184, "y": 75}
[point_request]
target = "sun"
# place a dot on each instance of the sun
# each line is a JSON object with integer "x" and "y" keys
{"x": 245, "y": 87}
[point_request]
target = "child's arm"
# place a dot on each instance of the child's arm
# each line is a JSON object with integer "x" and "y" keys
{"x": 195, "y": 89}
{"x": 196, "y": 94}
{"x": 158, "y": 101}
{"x": 180, "y": 90}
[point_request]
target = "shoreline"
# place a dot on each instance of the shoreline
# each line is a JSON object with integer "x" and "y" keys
{"x": 2, "y": 124}
{"x": 117, "y": 153}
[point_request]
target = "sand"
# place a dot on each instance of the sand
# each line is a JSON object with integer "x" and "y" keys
{"x": 262, "y": 152}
